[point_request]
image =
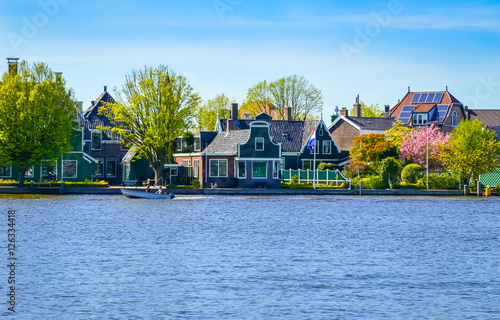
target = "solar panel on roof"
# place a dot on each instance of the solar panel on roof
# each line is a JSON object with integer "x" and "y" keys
{"x": 438, "y": 97}
{"x": 423, "y": 97}
{"x": 415, "y": 98}
{"x": 405, "y": 114}
{"x": 442, "y": 109}
{"x": 430, "y": 97}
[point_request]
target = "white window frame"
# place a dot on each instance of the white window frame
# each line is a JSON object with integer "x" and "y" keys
{"x": 237, "y": 169}
{"x": 256, "y": 149}
{"x": 106, "y": 167}
{"x": 41, "y": 170}
{"x": 174, "y": 171}
{"x": 10, "y": 171}
{"x": 329, "y": 144}
{"x": 76, "y": 169}
{"x": 454, "y": 119}
{"x": 92, "y": 140}
{"x": 420, "y": 119}
{"x": 267, "y": 164}
{"x": 186, "y": 163}
{"x": 196, "y": 168}
{"x": 218, "y": 168}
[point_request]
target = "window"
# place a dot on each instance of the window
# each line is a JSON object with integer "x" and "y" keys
{"x": 241, "y": 169}
{"x": 454, "y": 119}
{"x": 259, "y": 169}
{"x": 276, "y": 169}
{"x": 196, "y": 168}
{"x": 96, "y": 140}
{"x": 69, "y": 168}
{"x": 259, "y": 144}
{"x": 6, "y": 171}
{"x": 306, "y": 164}
{"x": 197, "y": 144}
{"x": 327, "y": 147}
{"x": 30, "y": 173}
{"x": 420, "y": 119}
{"x": 320, "y": 132}
{"x": 174, "y": 171}
{"x": 48, "y": 172}
{"x": 179, "y": 144}
{"x": 99, "y": 169}
{"x": 186, "y": 163}
{"x": 111, "y": 168}
{"x": 218, "y": 168}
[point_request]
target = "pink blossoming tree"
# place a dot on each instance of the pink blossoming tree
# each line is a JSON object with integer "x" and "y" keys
{"x": 414, "y": 145}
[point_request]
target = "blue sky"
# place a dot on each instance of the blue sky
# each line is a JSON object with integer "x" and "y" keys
{"x": 372, "y": 48}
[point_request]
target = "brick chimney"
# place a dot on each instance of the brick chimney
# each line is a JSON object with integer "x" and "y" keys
{"x": 356, "y": 108}
{"x": 12, "y": 65}
{"x": 288, "y": 113}
{"x": 234, "y": 111}
{"x": 344, "y": 112}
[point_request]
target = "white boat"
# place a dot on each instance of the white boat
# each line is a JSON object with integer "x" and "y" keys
{"x": 136, "y": 194}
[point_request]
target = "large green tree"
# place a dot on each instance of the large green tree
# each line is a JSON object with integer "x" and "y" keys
{"x": 36, "y": 115}
{"x": 371, "y": 111}
{"x": 153, "y": 108}
{"x": 293, "y": 91}
{"x": 207, "y": 113}
{"x": 472, "y": 150}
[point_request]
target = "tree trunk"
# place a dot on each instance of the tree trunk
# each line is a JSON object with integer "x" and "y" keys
{"x": 158, "y": 169}
{"x": 22, "y": 172}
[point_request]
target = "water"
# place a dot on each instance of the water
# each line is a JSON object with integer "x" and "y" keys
{"x": 301, "y": 257}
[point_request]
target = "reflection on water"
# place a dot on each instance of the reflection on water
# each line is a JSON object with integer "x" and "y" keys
{"x": 291, "y": 257}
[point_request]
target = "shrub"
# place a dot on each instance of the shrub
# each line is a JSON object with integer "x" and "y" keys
{"x": 196, "y": 184}
{"x": 326, "y": 166}
{"x": 389, "y": 169}
{"x": 376, "y": 182}
{"x": 295, "y": 179}
{"x": 411, "y": 173}
{"x": 444, "y": 181}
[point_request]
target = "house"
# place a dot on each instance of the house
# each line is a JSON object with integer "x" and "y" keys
{"x": 103, "y": 145}
{"x": 251, "y": 153}
{"x": 418, "y": 109}
{"x": 490, "y": 118}
{"x": 344, "y": 128}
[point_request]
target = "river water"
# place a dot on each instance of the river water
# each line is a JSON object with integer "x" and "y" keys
{"x": 231, "y": 257}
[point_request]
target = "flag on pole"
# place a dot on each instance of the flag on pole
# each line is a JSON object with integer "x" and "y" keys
{"x": 312, "y": 141}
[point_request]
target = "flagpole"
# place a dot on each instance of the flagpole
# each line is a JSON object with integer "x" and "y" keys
{"x": 314, "y": 159}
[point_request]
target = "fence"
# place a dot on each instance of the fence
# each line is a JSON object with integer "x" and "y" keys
{"x": 323, "y": 176}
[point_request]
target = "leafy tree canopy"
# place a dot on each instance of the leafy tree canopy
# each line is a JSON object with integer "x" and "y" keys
{"x": 414, "y": 146}
{"x": 371, "y": 111}
{"x": 36, "y": 116}
{"x": 472, "y": 150}
{"x": 371, "y": 148}
{"x": 207, "y": 113}
{"x": 153, "y": 108}
{"x": 396, "y": 134}
{"x": 292, "y": 91}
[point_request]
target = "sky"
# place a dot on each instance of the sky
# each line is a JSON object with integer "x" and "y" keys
{"x": 372, "y": 48}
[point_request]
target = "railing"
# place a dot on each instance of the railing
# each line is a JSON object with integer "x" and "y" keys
{"x": 322, "y": 176}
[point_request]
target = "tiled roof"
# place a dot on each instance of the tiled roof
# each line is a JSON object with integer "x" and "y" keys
{"x": 490, "y": 117}
{"x": 447, "y": 99}
{"x": 291, "y": 134}
{"x": 93, "y": 119}
{"x": 227, "y": 142}
{"x": 374, "y": 124}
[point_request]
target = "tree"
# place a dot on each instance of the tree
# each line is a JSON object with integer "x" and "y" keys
{"x": 414, "y": 146}
{"x": 372, "y": 111}
{"x": 207, "y": 113}
{"x": 389, "y": 170}
{"x": 472, "y": 150}
{"x": 153, "y": 109}
{"x": 36, "y": 116}
{"x": 292, "y": 91}
{"x": 397, "y": 132}
{"x": 372, "y": 148}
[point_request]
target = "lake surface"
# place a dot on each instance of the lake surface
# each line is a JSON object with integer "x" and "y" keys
{"x": 222, "y": 257}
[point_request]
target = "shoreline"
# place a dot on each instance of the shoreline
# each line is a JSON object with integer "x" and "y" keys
{"x": 251, "y": 192}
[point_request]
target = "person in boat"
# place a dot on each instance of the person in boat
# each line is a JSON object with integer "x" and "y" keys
{"x": 159, "y": 190}
{"x": 147, "y": 189}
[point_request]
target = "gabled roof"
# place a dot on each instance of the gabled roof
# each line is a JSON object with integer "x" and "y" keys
{"x": 291, "y": 134}
{"x": 446, "y": 99}
{"x": 490, "y": 117}
{"x": 227, "y": 142}
{"x": 365, "y": 124}
{"x": 93, "y": 119}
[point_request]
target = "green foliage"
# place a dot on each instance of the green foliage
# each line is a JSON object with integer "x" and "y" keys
{"x": 153, "y": 108}
{"x": 295, "y": 179}
{"x": 389, "y": 169}
{"x": 410, "y": 173}
{"x": 443, "y": 181}
{"x": 188, "y": 138}
{"x": 319, "y": 186}
{"x": 326, "y": 166}
{"x": 396, "y": 133}
{"x": 8, "y": 182}
{"x": 377, "y": 182}
{"x": 206, "y": 115}
{"x": 371, "y": 148}
{"x": 36, "y": 116}
{"x": 196, "y": 183}
{"x": 408, "y": 185}
{"x": 372, "y": 111}
{"x": 293, "y": 91}
{"x": 66, "y": 184}
{"x": 472, "y": 150}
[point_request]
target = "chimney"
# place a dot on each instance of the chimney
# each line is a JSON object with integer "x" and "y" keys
{"x": 105, "y": 88}
{"x": 234, "y": 111}
{"x": 12, "y": 65}
{"x": 344, "y": 112}
{"x": 58, "y": 77}
{"x": 288, "y": 113}
{"x": 92, "y": 103}
{"x": 387, "y": 109}
{"x": 408, "y": 89}
{"x": 467, "y": 116}
{"x": 356, "y": 110}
